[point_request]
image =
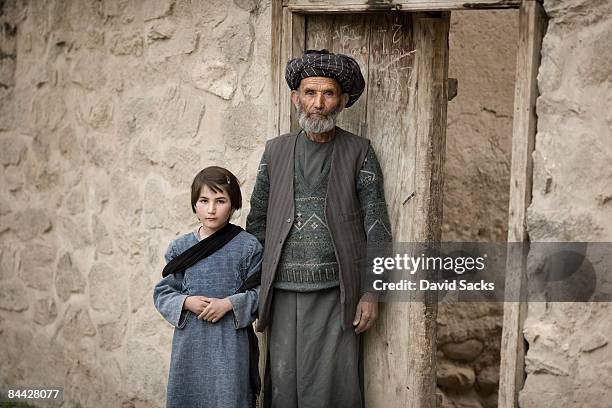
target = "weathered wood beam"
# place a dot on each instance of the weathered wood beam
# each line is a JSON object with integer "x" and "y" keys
{"x": 355, "y": 6}
{"x": 532, "y": 26}
{"x": 292, "y": 45}
{"x": 400, "y": 352}
{"x": 275, "y": 66}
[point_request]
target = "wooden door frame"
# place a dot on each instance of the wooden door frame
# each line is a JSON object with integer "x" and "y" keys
{"x": 287, "y": 39}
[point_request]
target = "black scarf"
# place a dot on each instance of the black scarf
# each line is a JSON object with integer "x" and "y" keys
{"x": 202, "y": 249}
{"x": 205, "y": 248}
{"x": 252, "y": 282}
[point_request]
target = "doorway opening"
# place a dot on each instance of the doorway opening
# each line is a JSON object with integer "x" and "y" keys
{"x": 482, "y": 61}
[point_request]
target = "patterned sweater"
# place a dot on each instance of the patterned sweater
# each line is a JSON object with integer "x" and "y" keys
{"x": 308, "y": 262}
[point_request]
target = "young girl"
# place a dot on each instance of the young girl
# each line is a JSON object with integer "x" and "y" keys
{"x": 205, "y": 295}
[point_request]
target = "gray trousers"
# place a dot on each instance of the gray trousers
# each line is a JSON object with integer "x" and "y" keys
{"x": 314, "y": 363}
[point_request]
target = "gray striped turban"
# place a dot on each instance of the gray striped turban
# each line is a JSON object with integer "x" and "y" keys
{"x": 342, "y": 68}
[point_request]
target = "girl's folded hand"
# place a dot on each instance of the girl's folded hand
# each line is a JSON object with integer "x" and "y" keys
{"x": 216, "y": 309}
{"x": 195, "y": 304}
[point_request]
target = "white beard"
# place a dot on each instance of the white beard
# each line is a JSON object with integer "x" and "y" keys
{"x": 316, "y": 125}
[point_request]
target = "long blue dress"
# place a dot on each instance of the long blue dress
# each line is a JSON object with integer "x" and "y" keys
{"x": 209, "y": 367}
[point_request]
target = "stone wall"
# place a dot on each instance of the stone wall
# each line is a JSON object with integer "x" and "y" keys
{"x": 108, "y": 108}
{"x": 107, "y": 111}
{"x": 569, "y": 360}
{"x": 476, "y": 191}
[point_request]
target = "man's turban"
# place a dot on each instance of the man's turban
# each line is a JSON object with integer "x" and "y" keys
{"x": 342, "y": 68}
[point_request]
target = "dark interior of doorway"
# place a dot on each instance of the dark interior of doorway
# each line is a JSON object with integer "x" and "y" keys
{"x": 482, "y": 57}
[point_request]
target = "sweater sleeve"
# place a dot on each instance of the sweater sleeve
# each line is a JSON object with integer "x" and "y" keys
{"x": 168, "y": 295}
{"x": 256, "y": 220}
{"x": 370, "y": 189}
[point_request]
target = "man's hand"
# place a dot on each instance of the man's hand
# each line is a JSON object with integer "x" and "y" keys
{"x": 195, "y": 304}
{"x": 216, "y": 309}
{"x": 366, "y": 313}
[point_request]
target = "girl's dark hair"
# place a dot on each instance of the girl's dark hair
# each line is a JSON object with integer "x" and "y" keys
{"x": 217, "y": 179}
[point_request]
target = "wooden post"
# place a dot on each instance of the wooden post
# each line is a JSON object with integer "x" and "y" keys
{"x": 531, "y": 30}
{"x": 400, "y": 351}
{"x": 276, "y": 29}
{"x": 292, "y": 45}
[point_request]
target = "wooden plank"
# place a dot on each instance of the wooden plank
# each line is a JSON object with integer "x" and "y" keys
{"x": 354, "y": 6}
{"x": 391, "y": 89}
{"x": 407, "y": 125}
{"x": 346, "y": 34}
{"x": 292, "y": 45}
{"x": 273, "y": 131}
{"x": 532, "y": 26}
{"x": 275, "y": 67}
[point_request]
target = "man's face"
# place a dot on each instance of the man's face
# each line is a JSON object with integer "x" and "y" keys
{"x": 318, "y": 100}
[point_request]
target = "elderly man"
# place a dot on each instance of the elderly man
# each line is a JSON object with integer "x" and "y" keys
{"x": 317, "y": 200}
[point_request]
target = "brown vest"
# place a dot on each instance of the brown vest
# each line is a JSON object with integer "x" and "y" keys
{"x": 342, "y": 212}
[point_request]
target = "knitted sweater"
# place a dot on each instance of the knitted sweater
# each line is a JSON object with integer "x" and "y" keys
{"x": 308, "y": 261}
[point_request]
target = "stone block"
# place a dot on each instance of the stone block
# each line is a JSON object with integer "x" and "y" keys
{"x": 455, "y": 377}
{"x": 140, "y": 288}
{"x": 14, "y": 178}
{"x": 146, "y": 371}
{"x": 216, "y": 77}
{"x": 161, "y": 30}
{"x": 111, "y": 334}
{"x": 5, "y": 206}
{"x": 183, "y": 112}
{"x": 101, "y": 114}
{"x": 125, "y": 199}
{"x": 7, "y": 109}
{"x": 93, "y": 39}
{"x": 110, "y": 294}
{"x": 103, "y": 240}
{"x": 13, "y": 296}
{"x": 12, "y": 150}
{"x": 69, "y": 145}
{"x": 127, "y": 44}
{"x": 99, "y": 189}
{"x": 45, "y": 310}
{"x": 236, "y": 41}
{"x": 251, "y": 84}
{"x": 170, "y": 37}
{"x": 488, "y": 380}
{"x": 7, "y": 72}
{"x": 545, "y": 362}
{"x": 75, "y": 201}
{"x": 156, "y": 203}
{"x": 466, "y": 350}
{"x": 76, "y": 324}
{"x": 248, "y": 5}
{"x": 209, "y": 14}
{"x": 7, "y": 262}
{"x": 592, "y": 342}
{"x": 37, "y": 264}
{"x": 75, "y": 229}
{"x": 597, "y": 59}
{"x": 152, "y": 9}
{"x": 68, "y": 278}
{"x": 147, "y": 321}
{"x": 48, "y": 110}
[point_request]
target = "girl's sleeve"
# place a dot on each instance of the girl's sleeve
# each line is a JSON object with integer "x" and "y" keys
{"x": 245, "y": 304}
{"x": 168, "y": 296}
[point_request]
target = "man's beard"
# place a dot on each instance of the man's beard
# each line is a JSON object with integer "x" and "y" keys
{"x": 316, "y": 125}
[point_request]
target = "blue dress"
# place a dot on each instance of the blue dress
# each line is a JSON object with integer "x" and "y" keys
{"x": 209, "y": 367}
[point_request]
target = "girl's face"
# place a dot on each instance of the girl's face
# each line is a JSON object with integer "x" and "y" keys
{"x": 213, "y": 209}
